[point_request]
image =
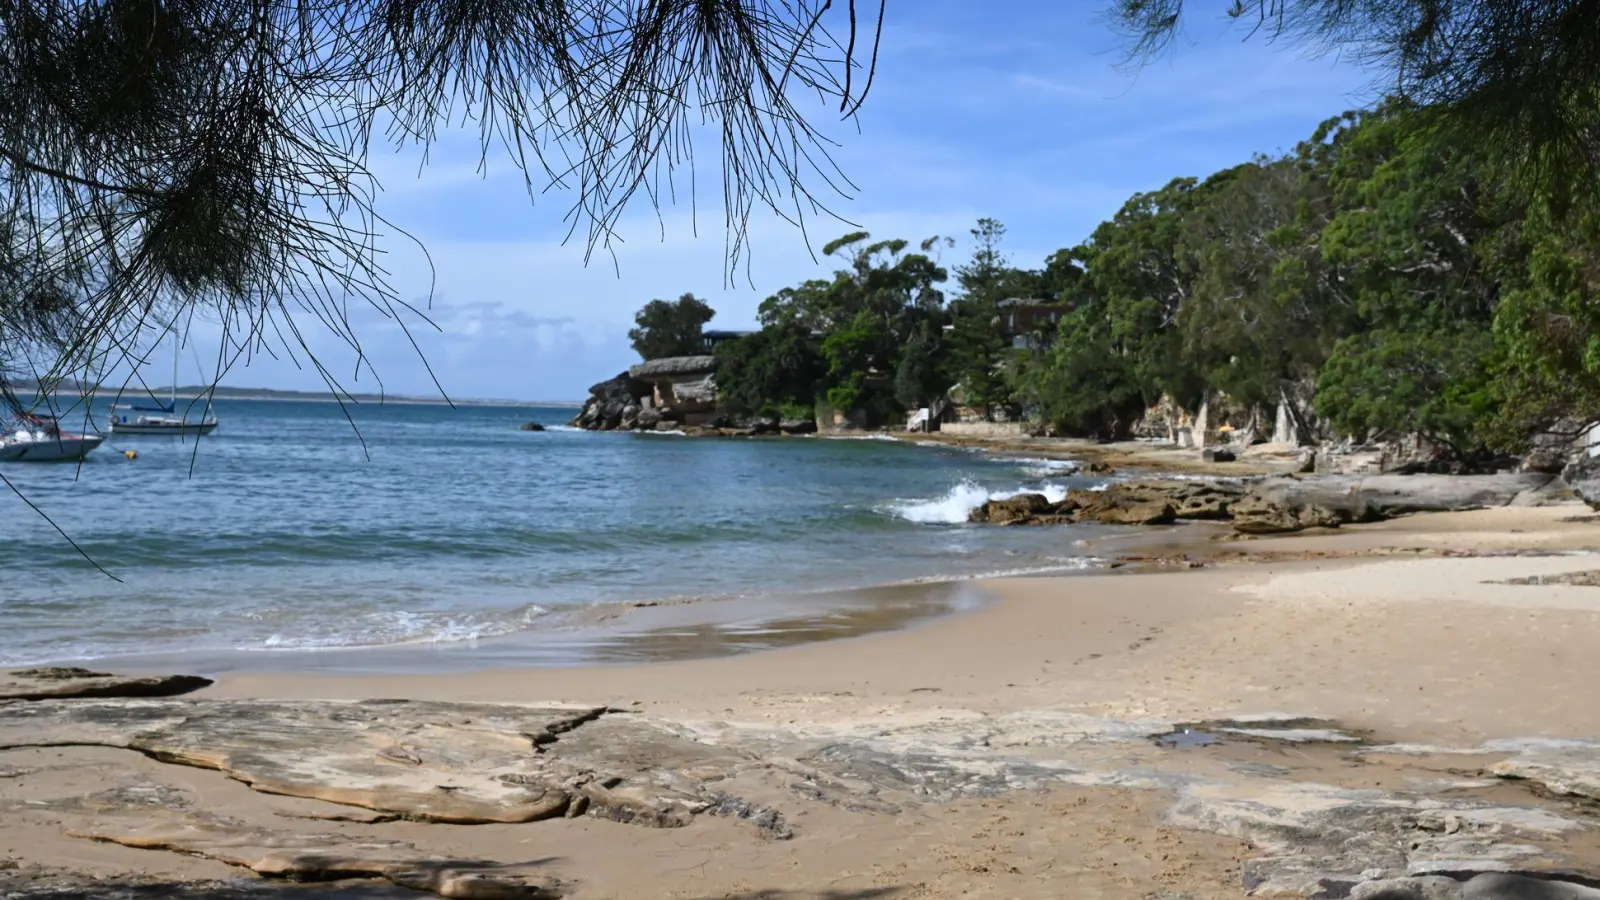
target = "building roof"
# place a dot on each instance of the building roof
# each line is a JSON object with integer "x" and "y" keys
{"x": 1029, "y": 301}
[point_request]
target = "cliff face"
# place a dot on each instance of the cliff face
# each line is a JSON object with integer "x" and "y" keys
{"x": 657, "y": 394}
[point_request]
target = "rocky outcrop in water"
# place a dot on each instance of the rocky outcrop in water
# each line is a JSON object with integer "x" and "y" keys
{"x": 674, "y": 394}
{"x": 613, "y": 404}
{"x": 1124, "y": 503}
{"x": 1271, "y": 505}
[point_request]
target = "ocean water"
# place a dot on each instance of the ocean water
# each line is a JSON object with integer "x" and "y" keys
{"x": 286, "y": 532}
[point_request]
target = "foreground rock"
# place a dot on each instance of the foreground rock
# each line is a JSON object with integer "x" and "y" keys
{"x": 436, "y": 762}
{"x": 329, "y": 857}
{"x": 1268, "y": 505}
{"x": 481, "y": 763}
{"x": 56, "y": 682}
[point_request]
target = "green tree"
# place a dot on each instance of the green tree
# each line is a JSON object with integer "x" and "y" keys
{"x": 867, "y": 315}
{"x": 978, "y": 348}
{"x": 1412, "y": 223}
{"x": 1518, "y": 80}
{"x": 664, "y": 328}
{"x": 773, "y": 371}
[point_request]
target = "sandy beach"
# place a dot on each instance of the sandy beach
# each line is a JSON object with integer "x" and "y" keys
{"x": 1011, "y": 751}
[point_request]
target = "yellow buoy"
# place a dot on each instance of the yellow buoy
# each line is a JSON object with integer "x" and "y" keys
{"x": 130, "y": 454}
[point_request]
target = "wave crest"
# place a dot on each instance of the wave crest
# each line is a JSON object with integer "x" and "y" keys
{"x": 958, "y": 503}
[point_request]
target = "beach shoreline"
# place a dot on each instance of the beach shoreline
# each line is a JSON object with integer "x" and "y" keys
{"x": 1156, "y": 586}
{"x": 1205, "y": 732}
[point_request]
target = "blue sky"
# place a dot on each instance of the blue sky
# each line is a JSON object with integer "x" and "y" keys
{"x": 1016, "y": 110}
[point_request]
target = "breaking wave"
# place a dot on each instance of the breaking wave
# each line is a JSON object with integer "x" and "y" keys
{"x": 958, "y": 503}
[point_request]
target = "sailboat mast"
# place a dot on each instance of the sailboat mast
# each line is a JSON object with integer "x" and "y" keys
{"x": 173, "y": 401}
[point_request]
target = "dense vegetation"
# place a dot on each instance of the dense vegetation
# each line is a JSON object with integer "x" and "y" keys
{"x": 670, "y": 327}
{"x": 1382, "y": 277}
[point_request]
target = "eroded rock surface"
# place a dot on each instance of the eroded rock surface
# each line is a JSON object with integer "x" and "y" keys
{"x": 470, "y": 763}
{"x": 59, "y": 681}
{"x": 329, "y": 857}
{"x": 442, "y": 762}
{"x": 1267, "y": 506}
{"x": 1124, "y": 503}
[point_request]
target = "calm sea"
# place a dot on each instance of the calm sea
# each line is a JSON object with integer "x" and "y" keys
{"x": 285, "y": 532}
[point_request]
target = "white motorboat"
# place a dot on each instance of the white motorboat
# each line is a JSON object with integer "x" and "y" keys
{"x": 40, "y": 439}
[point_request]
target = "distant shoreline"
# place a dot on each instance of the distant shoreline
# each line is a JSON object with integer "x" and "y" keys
{"x": 195, "y": 393}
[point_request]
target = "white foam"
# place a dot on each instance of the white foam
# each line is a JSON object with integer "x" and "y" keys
{"x": 958, "y": 503}
{"x": 563, "y": 428}
{"x": 672, "y": 433}
{"x": 402, "y": 627}
{"x": 861, "y": 437}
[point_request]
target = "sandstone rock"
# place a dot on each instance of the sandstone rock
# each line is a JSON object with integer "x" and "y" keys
{"x": 607, "y": 400}
{"x": 1217, "y": 455}
{"x": 329, "y": 857}
{"x": 1583, "y": 476}
{"x": 41, "y": 684}
{"x": 1500, "y": 886}
{"x": 1306, "y": 461}
{"x": 530, "y": 426}
{"x": 1011, "y": 510}
{"x": 1564, "y": 767}
{"x": 649, "y": 418}
{"x": 459, "y": 763}
{"x": 1148, "y": 513}
{"x": 1308, "y": 839}
{"x": 1141, "y": 502}
{"x": 674, "y": 367}
{"x": 1098, "y": 468}
{"x": 1544, "y": 461}
{"x": 798, "y": 426}
{"x": 1291, "y": 504}
{"x": 1427, "y": 887}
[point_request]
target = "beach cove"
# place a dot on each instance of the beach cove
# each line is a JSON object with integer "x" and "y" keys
{"x": 1313, "y": 716}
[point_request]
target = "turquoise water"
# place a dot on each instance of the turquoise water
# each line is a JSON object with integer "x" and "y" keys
{"x": 285, "y": 531}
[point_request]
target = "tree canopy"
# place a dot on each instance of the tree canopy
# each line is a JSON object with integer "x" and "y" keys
{"x": 664, "y": 328}
{"x": 161, "y": 160}
{"x": 1520, "y": 79}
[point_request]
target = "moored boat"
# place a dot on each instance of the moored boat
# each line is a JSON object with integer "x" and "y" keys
{"x": 158, "y": 420}
{"x": 40, "y": 439}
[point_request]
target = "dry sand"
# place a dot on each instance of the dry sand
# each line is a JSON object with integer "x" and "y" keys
{"x": 1416, "y": 648}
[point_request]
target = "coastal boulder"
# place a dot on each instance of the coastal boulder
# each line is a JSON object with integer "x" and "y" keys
{"x": 1011, "y": 510}
{"x": 1151, "y": 512}
{"x": 798, "y": 426}
{"x": 1154, "y": 502}
{"x": 1291, "y": 504}
{"x": 607, "y": 402}
{"x": 1584, "y": 478}
{"x": 530, "y": 426}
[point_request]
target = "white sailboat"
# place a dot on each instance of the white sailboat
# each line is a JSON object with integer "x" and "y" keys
{"x": 161, "y": 419}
